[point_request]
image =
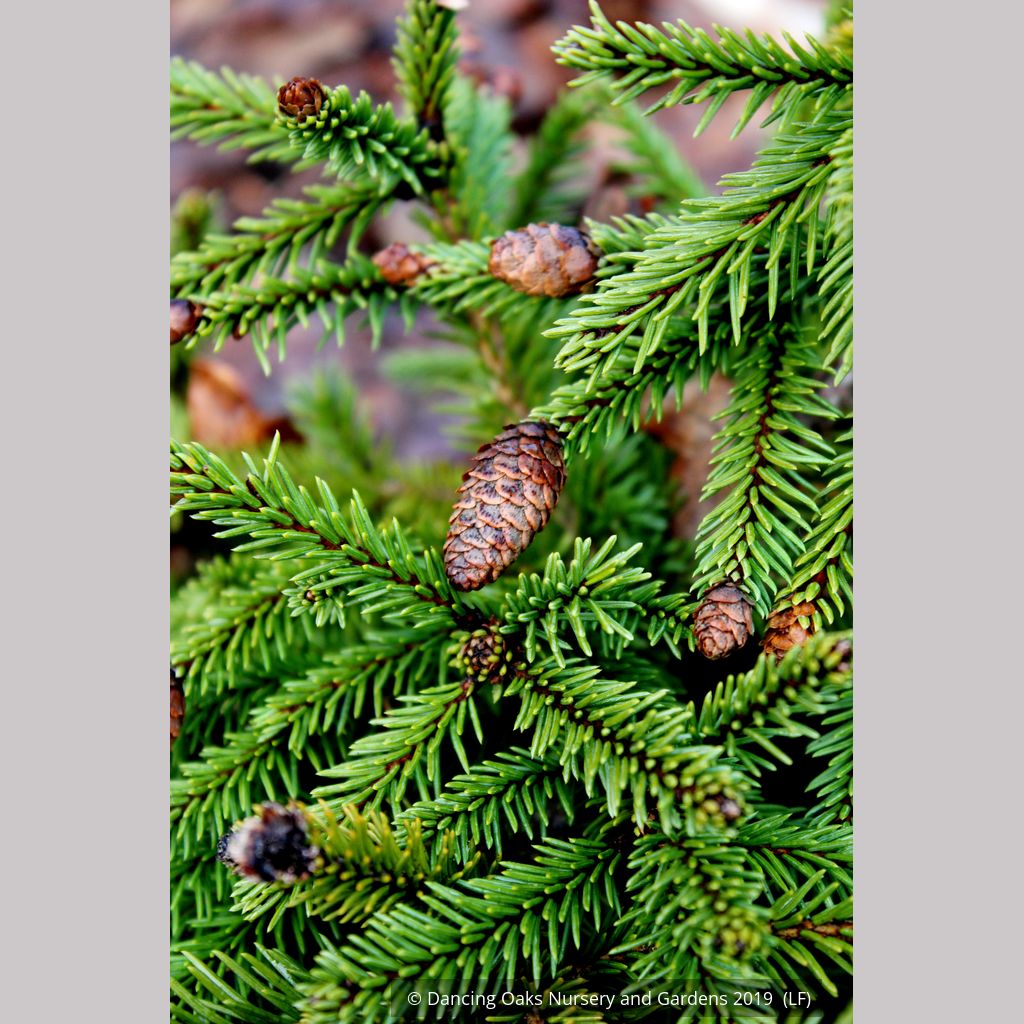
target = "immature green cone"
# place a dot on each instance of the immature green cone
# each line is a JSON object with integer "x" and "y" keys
{"x": 301, "y": 98}
{"x": 507, "y": 497}
{"x": 177, "y": 707}
{"x": 485, "y": 655}
{"x": 184, "y": 319}
{"x": 723, "y": 623}
{"x": 783, "y": 630}
{"x": 544, "y": 259}
{"x": 272, "y": 846}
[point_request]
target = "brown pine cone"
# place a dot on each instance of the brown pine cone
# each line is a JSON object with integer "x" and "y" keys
{"x": 544, "y": 259}
{"x": 301, "y": 98}
{"x": 399, "y": 266}
{"x": 177, "y": 706}
{"x": 507, "y": 497}
{"x": 722, "y": 624}
{"x": 184, "y": 319}
{"x": 273, "y": 846}
{"x": 783, "y": 630}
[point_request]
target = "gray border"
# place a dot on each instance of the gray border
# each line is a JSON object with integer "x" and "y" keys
{"x": 938, "y": 376}
{"x": 85, "y": 241}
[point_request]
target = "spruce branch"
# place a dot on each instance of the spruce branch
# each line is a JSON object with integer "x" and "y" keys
{"x": 511, "y": 792}
{"x": 823, "y": 574}
{"x": 595, "y": 593}
{"x": 767, "y": 218}
{"x": 833, "y": 787}
{"x": 634, "y": 744}
{"x": 657, "y": 166}
{"x": 229, "y": 619}
{"x": 745, "y": 713}
{"x": 375, "y": 568}
{"x": 836, "y": 274}
{"x": 702, "y": 69}
{"x": 492, "y": 930}
{"x": 208, "y": 794}
{"x": 544, "y": 189}
{"x": 691, "y": 898}
{"x": 307, "y": 722}
{"x": 620, "y": 391}
{"x": 478, "y": 132}
{"x": 406, "y": 749}
{"x": 807, "y": 927}
{"x": 273, "y": 244}
{"x": 425, "y": 59}
{"x": 789, "y": 851}
{"x": 358, "y": 140}
{"x": 259, "y": 989}
{"x": 764, "y": 452}
{"x": 269, "y": 309}
{"x": 235, "y": 111}
{"x": 364, "y": 868}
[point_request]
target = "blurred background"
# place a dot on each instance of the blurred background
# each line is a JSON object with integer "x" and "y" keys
{"x": 227, "y": 400}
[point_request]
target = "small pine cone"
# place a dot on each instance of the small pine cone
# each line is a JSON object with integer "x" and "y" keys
{"x": 507, "y": 497}
{"x": 400, "y": 267}
{"x": 177, "y": 706}
{"x": 484, "y": 655}
{"x": 722, "y": 624}
{"x": 273, "y": 845}
{"x": 301, "y": 98}
{"x": 544, "y": 259}
{"x": 728, "y": 808}
{"x": 184, "y": 319}
{"x": 783, "y": 630}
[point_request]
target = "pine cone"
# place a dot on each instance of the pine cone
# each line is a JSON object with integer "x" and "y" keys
{"x": 783, "y": 630}
{"x": 272, "y": 846}
{"x": 399, "y": 266}
{"x": 485, "y": 655}
{"x": 184, "y": 319}
{"x": 301, "y": 98}
{"x": 507, "y": 497}
{"x": 177, "y": 706}
{"x": 544, "y": 259}
{"x": 722, "y": 624}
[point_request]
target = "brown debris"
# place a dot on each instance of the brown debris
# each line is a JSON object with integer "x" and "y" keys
{"x": 221, "y": 411}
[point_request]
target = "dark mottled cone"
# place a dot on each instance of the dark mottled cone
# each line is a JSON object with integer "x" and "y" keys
{"x": 722, "y": 624}
{"x": 273, "y": 846}
{"x": 485, "y": 655}
{"x": 399, "y": 266}
{"x": 728, "y": 808}
{"x": 783, "y": 630}
{"x": 506, "y": 498}
{"x": 177, "y": 706}
{"x": 301, "y": 98}
{"x": 184, "y": 319}
{"x": 544, "y": 259}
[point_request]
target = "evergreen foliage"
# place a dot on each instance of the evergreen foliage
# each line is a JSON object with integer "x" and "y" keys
{"x": 539, "y": 787}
